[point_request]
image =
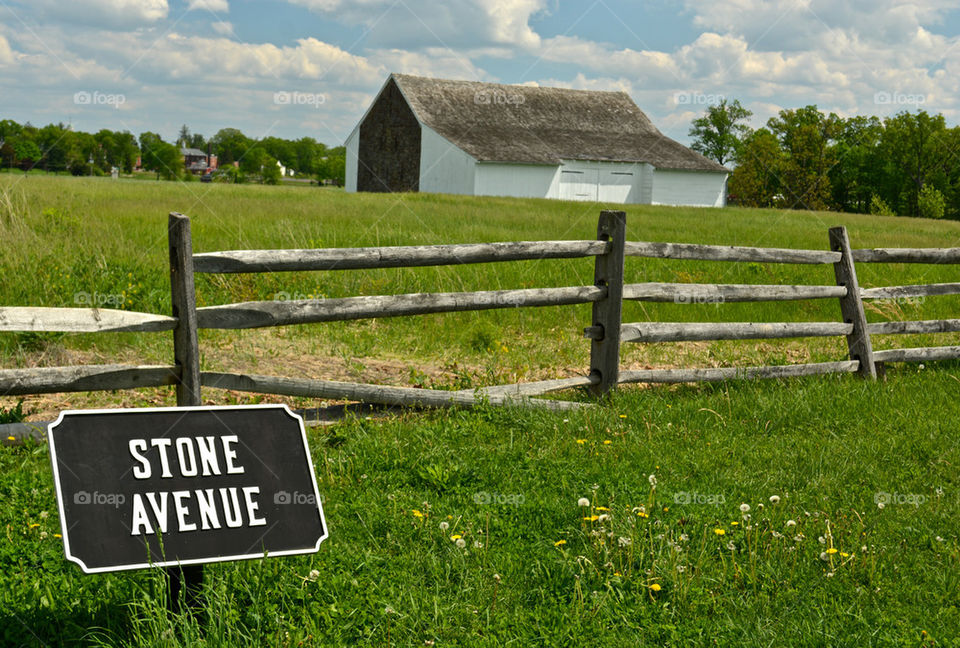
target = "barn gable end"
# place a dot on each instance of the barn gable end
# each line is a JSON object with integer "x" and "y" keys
{"x": 388, "y": 154}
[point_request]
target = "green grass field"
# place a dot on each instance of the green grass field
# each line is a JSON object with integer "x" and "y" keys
{"x": 672, "y": 560}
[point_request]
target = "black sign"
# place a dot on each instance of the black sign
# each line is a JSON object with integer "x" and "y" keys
{"x": 181, "y": 485}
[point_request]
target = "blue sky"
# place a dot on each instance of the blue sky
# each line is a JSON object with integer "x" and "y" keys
{"x": 156, "y": 64}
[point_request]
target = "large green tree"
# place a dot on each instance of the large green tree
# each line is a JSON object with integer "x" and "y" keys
{"x": 806, "y": 136}
{"x": 755, "y": 180}
{"x": 720, "y": 131}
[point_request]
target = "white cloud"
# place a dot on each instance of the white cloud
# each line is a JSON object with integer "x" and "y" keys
{"x": 459, "y": 24}
{"x": 223, "y": 27}
{"x": 210, "y": 5}
{"x": 6, "y": 54}
{"x": 104, "y": 13}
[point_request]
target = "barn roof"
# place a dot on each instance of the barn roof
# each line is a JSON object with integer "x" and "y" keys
{"x": 507, "y": 123}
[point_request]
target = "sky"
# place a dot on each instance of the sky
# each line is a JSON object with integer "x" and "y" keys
{"x": 294, "y": 68}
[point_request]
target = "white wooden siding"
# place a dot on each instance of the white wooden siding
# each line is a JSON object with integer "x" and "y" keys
{"x": 518, "y": 180}
{"x": 444, "y": 168}
{"x": 352, "y": 145}
{"x": 690, "y": 188}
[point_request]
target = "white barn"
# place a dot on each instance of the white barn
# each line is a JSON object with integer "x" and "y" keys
{"x": 487, "y": 139}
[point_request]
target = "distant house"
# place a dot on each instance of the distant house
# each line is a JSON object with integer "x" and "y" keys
{"x": 464, "y": 137}
{"x": 197, "y": 161}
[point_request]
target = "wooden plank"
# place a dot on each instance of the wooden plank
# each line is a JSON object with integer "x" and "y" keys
{"x": 186, "y": 349}
{"x": 921, "y": 326}
{"x": 907, "y": 255}
{"x": 533, "y": 388}
{"x": 736, "y": 373}
{"x": 410, "y": 256}
{"x": 51, "y": 380}
{"x": 851, "y": 304}
{"x": 405, "y": 396}
{"x": 282, "y": 313}
{"x": 684, "y": 293}
{"x": 81, "y": 320}
{"x": 692, "y": 332}
{"x": 728, "y": 253}
{"x": 608, "y": 274}
{"x": 17, "y": 433}
{"x": 918, "y": 354}
{"x": 905, "y": 292}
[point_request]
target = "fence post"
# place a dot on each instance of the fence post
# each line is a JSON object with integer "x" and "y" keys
{"x": 186, "y": 354}
{"x": 608, "y": 272}
{"x": 851, "y": 306}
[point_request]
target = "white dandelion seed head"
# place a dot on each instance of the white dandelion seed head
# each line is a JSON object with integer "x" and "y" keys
{"x": 774, "y": 499}
{"x": 731, "y": 546}
{"x": 603, "y": 517}
{"x": 681, "y": 568}
{"x": 881, "y": 505}
{"x": 822, "y": 540}
{"x": 583, "y": 501}
{"x": 653, "y": 480}
{"x": 744, "y": 508}
{"x": 444, "y": 525}
{"x": 461, "y": 543}
{"x": 684, "y": 537}
{"x": 829, "y": 574}
{"x": 791, "y": 523}
{"x": 624, "y": 542}
{"x": 313, "y": 575}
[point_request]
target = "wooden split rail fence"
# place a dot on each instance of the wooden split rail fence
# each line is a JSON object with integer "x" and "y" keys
{"x": 607, "y": 332}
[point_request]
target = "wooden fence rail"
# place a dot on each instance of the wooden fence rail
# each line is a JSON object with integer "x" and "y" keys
{"x": 606, "y": 331}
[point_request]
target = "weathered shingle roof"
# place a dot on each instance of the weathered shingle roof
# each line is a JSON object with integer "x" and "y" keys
{"x": 507, "y": 123}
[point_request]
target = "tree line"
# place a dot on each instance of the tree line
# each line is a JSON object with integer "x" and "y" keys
{"x": 59, "y": 148}
{"x": 906, "y": 164}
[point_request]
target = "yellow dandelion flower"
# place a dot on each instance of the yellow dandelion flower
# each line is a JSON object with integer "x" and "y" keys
{"x": 734, "y": 524}
{"x": 623, "y": 416}
{"x": 11, "y": 438}
{"x": 601, "y": 508}
{"x": 844, "y": 554}
{"x": 642, "y": 514}
{"x": 666, "y": 509}
{"x": 57, "y": 535}
{"x": 581, "y": 441}
{"x": 655, "y": 587}
{"x": 456, "y": 537}
{"x": 592, "y": 518}
{"x": 34, "y": 526}
{"x": 607, "y": 442}
{"x": 417, "y": 514}
{"x": 559, "y": 543}
{"x": 832, "y": 550}
{"x": 720, "y": 532}
{"x": 617, "y": 574}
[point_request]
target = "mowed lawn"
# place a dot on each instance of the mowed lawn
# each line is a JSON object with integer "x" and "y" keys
{"x": 812, "y": 512}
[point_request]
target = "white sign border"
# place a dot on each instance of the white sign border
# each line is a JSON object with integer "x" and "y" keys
{"x": 198, "y": 561}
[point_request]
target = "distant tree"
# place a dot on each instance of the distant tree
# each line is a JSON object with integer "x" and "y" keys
{"x": 159, "y": 156}
{"x": 755, "y": 181}
{"x": 230, "y": 144}
{"x": 857, "y": 175}
{"x": 198, "y": 141}
{"x": 917, "y": 148}
{"x": 806, "y": 136}
{"x": 719, "y": 132}
{"x": 26, "y": 152}
{"x": 183, "y": 139}
{"x": 333, "y": 166}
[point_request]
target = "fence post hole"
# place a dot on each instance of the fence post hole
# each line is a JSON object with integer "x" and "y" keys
{"x": 605, "y": 329}
{"x": 185, "y": 579}
{"x": 851, "y": 306}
